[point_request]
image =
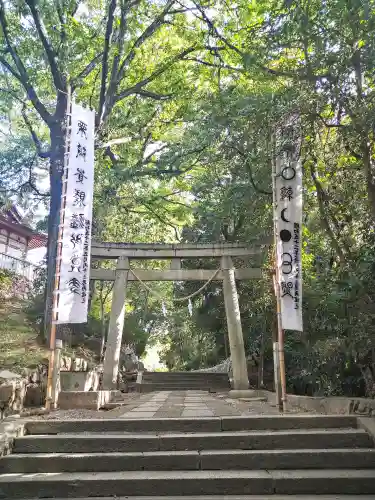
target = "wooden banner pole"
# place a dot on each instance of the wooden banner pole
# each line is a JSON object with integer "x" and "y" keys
{"x": 280, "y": 343}
{"x": 55, "y": 298}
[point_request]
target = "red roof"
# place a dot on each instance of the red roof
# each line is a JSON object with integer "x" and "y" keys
{"x": 12, "y": 221}
{"x": 37, "y": 240}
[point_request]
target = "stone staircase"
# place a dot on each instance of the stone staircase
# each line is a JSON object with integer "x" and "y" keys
{"x": 230, "y": 458}
{"x": 184, "y": 381}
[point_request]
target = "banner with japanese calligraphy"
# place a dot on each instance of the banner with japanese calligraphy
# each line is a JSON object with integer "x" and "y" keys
{"x": 76, "y": 240}
{"x": 288, "y": 226}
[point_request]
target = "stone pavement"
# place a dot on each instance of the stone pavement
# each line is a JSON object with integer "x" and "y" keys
{"x": 174, "y": 404}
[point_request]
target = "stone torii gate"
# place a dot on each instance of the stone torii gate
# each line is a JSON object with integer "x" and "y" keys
{"x": 125, "y": 252}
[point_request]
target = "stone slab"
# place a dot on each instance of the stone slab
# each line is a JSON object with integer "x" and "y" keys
{"x": 148, "y": 424}
{"x": 99, "y": 462}
{"x": 143, "y": 483}
{"x": 331, "y": 481}
{"x": 316, "y": 439}
{"x": 168, "y": 414}
{"x": 92, "y": 400}
{"x": 242, "y": 497}
{"x": 288, "y": 459}
{"x": 172, "y": 483}
{"x": 197, "y": 413}
{"x": 278, "y": 422}
{"x": 138, "y": 414}
{"x": 86, "y": 443}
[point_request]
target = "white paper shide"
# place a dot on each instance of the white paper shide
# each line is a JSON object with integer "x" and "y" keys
{"x": 288, "y": 218}
{"x": 76, "y": 241}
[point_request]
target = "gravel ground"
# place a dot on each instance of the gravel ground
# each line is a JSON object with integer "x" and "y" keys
{"x": 220, "y": 404}
{"x": 77, "y": 414}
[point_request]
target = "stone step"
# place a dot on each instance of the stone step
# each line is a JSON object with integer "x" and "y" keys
{"x": 256, "y": 440}
{"x": 190, "y": 460}
{"x": 172, "y": 483}
{"x": 204, "y": 375}
{"x": 210, "y": 424}
{"x": 239, "y": 497}
{"x": 196, "y": 383}
{"x": 197, "y": 380}
{"x": 152, "y": 387}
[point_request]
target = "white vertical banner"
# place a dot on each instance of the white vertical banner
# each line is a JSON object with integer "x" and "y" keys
{"x": 288, "y": 226}
{"x": 76, "y": 240}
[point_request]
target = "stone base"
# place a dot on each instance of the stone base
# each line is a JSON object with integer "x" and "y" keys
{"x": 78, "y": 381}
{"x": 92, "y": 400}
{"x": 335, "y": 405}
{"x": 248, "y": 394}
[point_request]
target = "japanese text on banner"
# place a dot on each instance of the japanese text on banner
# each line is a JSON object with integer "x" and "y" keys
{"x": 76, "y": 241}
{"x": 288, "y": 185}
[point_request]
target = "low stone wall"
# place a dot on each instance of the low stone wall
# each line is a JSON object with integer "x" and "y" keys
{"x": 17, "y": 391}
{"x": 329, "y": 405}
{"x": 29, "y": 389}
{"x": 9, "y": 431}
{"x": 93, "y": 400}
{"x": 80, "y": 381}
{"x": 68, "y": 364}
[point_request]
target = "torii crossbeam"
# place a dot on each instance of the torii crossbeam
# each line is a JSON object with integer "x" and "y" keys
{"x": 223, "y": 252}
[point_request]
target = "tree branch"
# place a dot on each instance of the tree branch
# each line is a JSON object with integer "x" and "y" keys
{"x": 212, "y": 65}
{"x": 323, "y": 214}
{"x": 62, "y": 20}
{"x": 138, "y": 86}
{"x": 215, "y": 31}
{"x": 153, "y": 95}
{"x": 22, "y": 75}
{"x": 13, "y": 93}
{"x": 31, "y": 181}
{"x": 107, "y": 44}
{"x": 149, "y": 31}
{"x": 231, "y": 46}
{"x": 87, "y": 70}
{"x": 161, "y": 219}
{"x": 250, "y": 172}
{"x": 35, "y": 138}
{"x": 50, "y": 52}
{"x": 113, "y": 82}
{"x": 11, "y": 70}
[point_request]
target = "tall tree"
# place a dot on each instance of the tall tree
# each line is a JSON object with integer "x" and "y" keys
{"x": 95, "y": 51}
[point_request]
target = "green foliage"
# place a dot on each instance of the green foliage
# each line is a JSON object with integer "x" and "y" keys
{"x": 19, "y": 346}
{"x": 6, "y": 281}
{"x": 184, "y": 146}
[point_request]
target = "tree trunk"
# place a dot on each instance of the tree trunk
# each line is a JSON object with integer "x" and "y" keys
{"x": 103, "y": 330}
{"x": 58, "y": 131}
{"x": 369, "y": 166}
{"x": 261, "y": 363}
{"x": 368, "y": 378}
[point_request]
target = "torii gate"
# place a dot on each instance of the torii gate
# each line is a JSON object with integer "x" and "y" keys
{"x": 124, "y": 252}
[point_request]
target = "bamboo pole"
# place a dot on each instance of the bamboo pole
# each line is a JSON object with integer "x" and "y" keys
{"x": 55, "y": 299}
{"x": 280, "y": 332}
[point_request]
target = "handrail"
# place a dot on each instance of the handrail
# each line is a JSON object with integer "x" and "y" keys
{"x": 18, "y": 266}
{"x": 2, "y": 254}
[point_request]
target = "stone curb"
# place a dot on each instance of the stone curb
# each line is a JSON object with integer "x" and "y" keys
{"x": 9, "y": 430}
{"x": 368, "y": 425}
{"x": 335, "y": 405}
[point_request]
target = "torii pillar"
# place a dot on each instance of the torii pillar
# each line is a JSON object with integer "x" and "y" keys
{"x": 116, "y": 325}
{"x": 236, "y": 343}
